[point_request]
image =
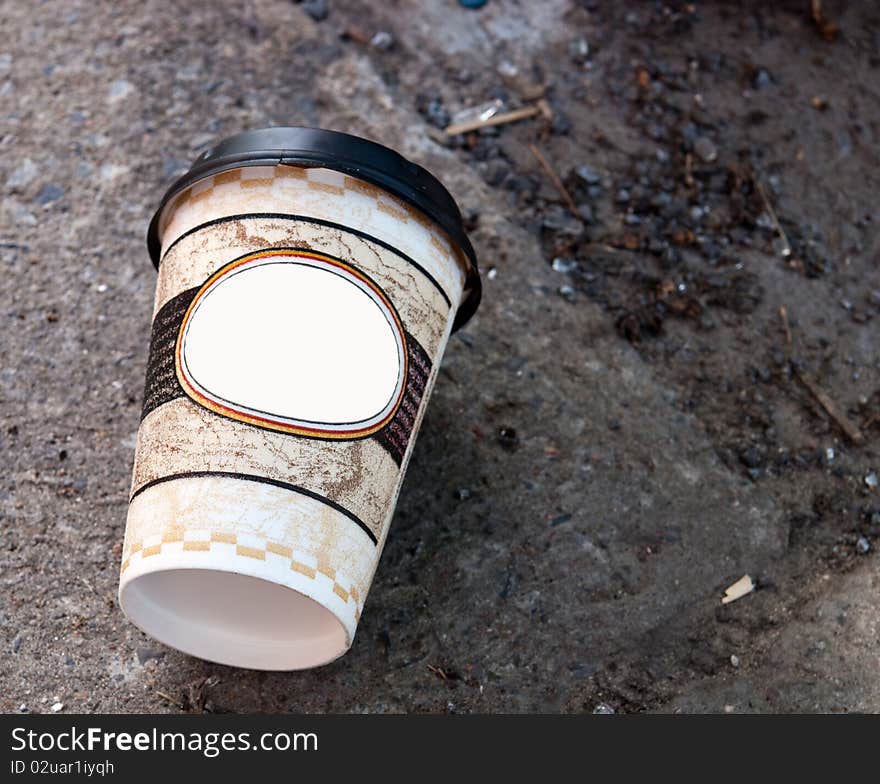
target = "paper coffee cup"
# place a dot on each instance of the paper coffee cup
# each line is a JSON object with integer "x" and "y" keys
{"x": 308, "y": 283}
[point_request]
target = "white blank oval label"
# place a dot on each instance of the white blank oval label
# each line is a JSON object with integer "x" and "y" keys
{"x": 294, "y": 341}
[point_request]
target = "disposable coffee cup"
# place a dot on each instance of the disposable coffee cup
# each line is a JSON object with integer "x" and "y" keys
{"x": 308, "y": 282}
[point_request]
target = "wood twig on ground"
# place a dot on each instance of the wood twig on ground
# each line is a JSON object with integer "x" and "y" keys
{"x": 689, "y": 170}
{"x": 356, "y": 34}
{"x": 786, "y": 245}
{"x": 851, "y": 431}
{"x": 554, "y": 178}
{"x": 541, "y": 107}
{"x": 827, "y": 29}
{"x": 169, "y": 698}
{"x": 438, "y": 671}
{"x": 870, "y": 422}
{"x": 783, "y": 314}
{"x": 823, "y": 399}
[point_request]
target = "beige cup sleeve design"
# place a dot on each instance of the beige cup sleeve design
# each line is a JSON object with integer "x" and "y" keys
{"x": 187, "y": 434}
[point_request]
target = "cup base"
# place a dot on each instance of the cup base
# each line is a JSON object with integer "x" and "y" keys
{"x": 234, "y": 619}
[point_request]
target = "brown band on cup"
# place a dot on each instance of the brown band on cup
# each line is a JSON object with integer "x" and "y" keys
{"x": 162, "y": 384}
{"x": 394, "y": 437}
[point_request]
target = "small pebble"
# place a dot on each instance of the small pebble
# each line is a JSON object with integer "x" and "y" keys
{"x": 561, "y": 124}
{"x": 16, "y": 643}
{"x": 863, "y": 545}
{"x": 567, "y": 293}
{"x": 119, "y": 90}
{"x": 764, "y": 221}
{"x": 579, "y": 49}
{"x": 751, "y": 457}
{"x": 507, "y": 69}
{"x": 564, "y": 265}
{"x": 871, "y": 480}
{"x": 58, "y": 706}
{"x": 603, "y": 709}
{"x": 588, "y": 174}
{"x": 586, "y": 213}
{"x": 430, "y": 104}
{"x": 705, "y": 149}
{"x": 383, "y": 41}
{"x": 317, "y": 9}
{"x": 829, "y": 454}
{"x": 463, "y": 493}
{"x": 734, "y": 660}
{"x": 690, "y": 132}
{"x": 762, "y": 79}
{"x": 492, "y": 273}
{"x": 23, "y": 175}
{"x": 49, "y": 193}
{"x": 496, "y": 172}
{"x": 508, "y": 438}
{"x": 561, "y": 221}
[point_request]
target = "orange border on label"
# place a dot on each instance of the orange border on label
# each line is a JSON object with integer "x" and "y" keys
{"x": 268, "y": 422}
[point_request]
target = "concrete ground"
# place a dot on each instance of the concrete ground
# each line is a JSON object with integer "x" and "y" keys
{"x": 627, "y": 427}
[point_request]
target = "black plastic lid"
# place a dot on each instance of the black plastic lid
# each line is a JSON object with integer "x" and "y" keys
{"x": 351, "y": 155}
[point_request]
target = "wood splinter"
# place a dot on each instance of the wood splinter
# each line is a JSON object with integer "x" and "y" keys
{"x": 541, "y": 107}
{"x": 554, "y": 178}
{"x": 783, "y": 314}
{"x": 822, "y": 397}
{"x": 786, "y": 245}
{"x": 742, "y": 587}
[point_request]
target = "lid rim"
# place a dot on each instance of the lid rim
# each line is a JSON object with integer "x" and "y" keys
{"x": 352, "y": 155}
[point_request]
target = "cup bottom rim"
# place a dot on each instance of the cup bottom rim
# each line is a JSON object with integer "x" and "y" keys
{"x": 233, "y": 618}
